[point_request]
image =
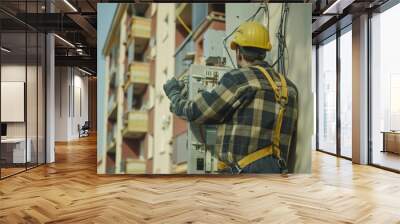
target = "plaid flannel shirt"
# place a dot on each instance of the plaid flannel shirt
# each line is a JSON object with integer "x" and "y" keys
{"x": 244, "y": 107}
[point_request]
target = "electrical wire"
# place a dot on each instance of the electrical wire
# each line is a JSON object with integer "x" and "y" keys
{"x": 281, "y": 36}
{"x": 264, "y": 7}
{"x": 281, "y": 60}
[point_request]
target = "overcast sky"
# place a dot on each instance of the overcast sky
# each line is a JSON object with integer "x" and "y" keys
{"x": 105, "y": 14}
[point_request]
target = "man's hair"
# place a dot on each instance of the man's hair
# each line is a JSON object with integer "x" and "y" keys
{"x": 252, "y": 54}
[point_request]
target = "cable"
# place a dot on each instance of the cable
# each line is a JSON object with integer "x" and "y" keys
{"x": 281, "y": 36}
{"x": 263, "y": 6}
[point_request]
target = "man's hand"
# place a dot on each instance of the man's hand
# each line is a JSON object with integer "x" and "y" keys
{"x": 172, "y": 88}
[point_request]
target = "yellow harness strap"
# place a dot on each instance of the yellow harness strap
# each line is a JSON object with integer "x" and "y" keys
{"x": 281, "y": 96}
{"x": 247, "y": 160}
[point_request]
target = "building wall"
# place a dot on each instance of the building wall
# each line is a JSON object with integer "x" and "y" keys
{"x": 165, "y": 48}
{"x": 119, "y": 93}
{"x": 127, "y": 150}
{"x": 299, "y": 46}
{"x": 16, "y": 73}
{"x": 62, "y": 81}
{"x": 71, "y": 102}
{"x": 33, "y": 127}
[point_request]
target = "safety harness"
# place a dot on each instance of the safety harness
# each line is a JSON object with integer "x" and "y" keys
{"x": 281, "y": 96}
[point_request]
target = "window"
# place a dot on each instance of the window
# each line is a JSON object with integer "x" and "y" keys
{"x": 346, "y": 93}
{"x": 334, "y": 60}
{"x": 22, "y": 76}
{"x": 385, "y": 89}
{"x": 394, "y": 101}
{"x": 327, "y": 96}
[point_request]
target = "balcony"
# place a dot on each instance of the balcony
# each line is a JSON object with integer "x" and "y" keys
{"x": 183, "y": 12}
{"x": 134, "y": 166}
{"x": 136, "y": 124}
{"x": 139, "y": 75}
{"x": 140, "y": 72}
{"x": 140, "y": 27}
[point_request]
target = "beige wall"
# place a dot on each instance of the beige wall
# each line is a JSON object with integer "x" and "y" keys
{"x": 71, "y": 94}
{"x": 34, "y": 125}
{"x": 17, "y": 73}
{"x": 299, "y": 46}
{"x": 165, "y": 61}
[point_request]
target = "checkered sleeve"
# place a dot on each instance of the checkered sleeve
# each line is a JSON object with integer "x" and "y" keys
{"x": 211, "y": 107}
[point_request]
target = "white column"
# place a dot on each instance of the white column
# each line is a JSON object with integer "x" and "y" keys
{"x": 50, "y": 94}
{"x": 360, "y": 90}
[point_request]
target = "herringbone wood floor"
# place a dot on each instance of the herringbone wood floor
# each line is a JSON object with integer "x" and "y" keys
{"x": 69, "y": 191}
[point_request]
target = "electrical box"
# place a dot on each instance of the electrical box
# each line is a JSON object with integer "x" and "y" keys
{"x": 202, "y": 156}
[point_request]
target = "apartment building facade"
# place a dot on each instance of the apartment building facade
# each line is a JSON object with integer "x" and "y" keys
{"x": 139, "y": 60}
{"x": 129, "y": 88}
{"x": 147, "y": 45}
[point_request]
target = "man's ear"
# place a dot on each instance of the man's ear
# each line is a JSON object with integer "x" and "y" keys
{"x": 238, "y": 54}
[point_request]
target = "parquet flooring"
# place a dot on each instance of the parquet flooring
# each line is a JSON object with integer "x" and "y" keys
{"x": 10, "y": 171}
{"x": 70, "y": 191}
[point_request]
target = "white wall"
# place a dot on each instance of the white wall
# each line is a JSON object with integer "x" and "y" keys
{"x": 163, "y": 127}
{"x": 33, "y": 127}
{"x": 299, "y": 46}
{"x": 12, "y": 73}
{"x": 69, "y": 85}
{"x": 61, "y": 104}
{"x": 16, "y": 73}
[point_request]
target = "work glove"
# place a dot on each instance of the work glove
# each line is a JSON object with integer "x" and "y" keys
{"x": 173, "y": 88}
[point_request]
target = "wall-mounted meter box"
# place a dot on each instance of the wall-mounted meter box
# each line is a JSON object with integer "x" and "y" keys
{"x": 202, "y": 157}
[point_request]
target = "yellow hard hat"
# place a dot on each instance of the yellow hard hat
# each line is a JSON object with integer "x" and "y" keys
{"x": 251, "y": 34}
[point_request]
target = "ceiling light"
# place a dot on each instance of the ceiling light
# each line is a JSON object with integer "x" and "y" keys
{"x": 64, "y": 40}
{"x": 326, "y": 11}
{"x": 70, "y": 5}
{"x": 84, "y": 71}
{"x": 5, "y": 50}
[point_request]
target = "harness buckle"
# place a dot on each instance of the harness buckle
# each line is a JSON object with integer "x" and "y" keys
{"x": 283, "y": 101}
{"x": 282, "y": 166}
{"x": 235, "y": 169}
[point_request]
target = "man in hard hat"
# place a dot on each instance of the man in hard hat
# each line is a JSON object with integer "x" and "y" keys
{"x": 255, "y": 108}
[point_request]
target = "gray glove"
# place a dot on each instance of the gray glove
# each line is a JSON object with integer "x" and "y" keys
{"x": 172, "y": 88}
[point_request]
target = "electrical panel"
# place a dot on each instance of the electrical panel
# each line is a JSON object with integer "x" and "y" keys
{"x": 202, "y": 156}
